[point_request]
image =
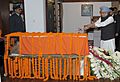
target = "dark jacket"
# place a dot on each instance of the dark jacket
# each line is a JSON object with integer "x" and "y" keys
{"x": 117, "y": 23}
{"x": 16, "y": 24}
{"x": 107, "y": 32}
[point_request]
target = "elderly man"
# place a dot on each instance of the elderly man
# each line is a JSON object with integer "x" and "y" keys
{"x": 106, "y": 23}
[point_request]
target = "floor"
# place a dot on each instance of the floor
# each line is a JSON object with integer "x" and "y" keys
{"x": 37, "y": 80}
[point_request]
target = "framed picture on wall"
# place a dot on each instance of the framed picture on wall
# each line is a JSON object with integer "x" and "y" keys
{"x": 87, "y": 10}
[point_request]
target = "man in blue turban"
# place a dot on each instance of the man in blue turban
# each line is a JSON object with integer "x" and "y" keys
{"x": 106, "y": 24}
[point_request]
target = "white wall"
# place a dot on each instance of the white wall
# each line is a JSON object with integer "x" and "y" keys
{"x": 72, "y": 19}
{"x": 35, "y": 15}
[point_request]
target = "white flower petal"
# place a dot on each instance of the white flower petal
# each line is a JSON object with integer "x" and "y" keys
{"x": 90, "y": 56}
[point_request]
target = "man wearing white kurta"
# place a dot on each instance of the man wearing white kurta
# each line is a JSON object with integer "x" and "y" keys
{"x": 106, "y": 23}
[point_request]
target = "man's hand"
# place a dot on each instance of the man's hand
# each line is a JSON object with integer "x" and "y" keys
{"x": 88, "y": 26}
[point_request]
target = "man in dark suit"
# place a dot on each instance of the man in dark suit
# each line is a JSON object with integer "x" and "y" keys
{"x": 118, "y": 32}
{"x": 16, "y": 22}
{"x": 116, "y": 17}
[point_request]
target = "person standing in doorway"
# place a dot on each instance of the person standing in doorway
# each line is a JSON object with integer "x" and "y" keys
{"x": 16, "y": 22}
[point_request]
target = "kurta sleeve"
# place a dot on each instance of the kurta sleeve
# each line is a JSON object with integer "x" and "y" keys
{"x": 104, "y": 23}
